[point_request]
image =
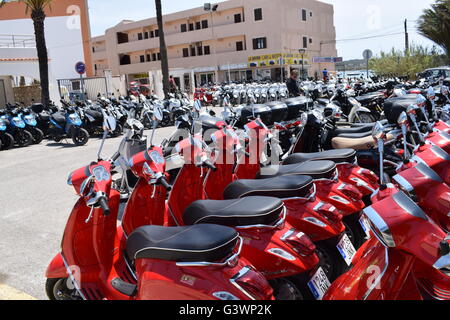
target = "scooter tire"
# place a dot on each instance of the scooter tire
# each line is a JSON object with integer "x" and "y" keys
{"x": 25, "y": 138}
{"x": 38, "y": 135}
{"x": 331, "y": 262}
{"x": 80, "y": 137}
{"x": 7, "y": 141}
{"x": 354, "y": 230}
{"x": 51, "y": 288}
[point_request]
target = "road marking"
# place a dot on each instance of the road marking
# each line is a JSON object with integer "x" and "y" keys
{"x": 9, "y": 293}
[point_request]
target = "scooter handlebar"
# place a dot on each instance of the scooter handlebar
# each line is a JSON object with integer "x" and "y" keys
{"x": 165, "y": 184}
{"x": 104, "y": 205}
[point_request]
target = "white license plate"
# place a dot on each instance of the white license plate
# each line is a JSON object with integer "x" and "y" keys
{"x": 346, "y": 249}
{"x": 365, "y": 225}
{"x": 319, "y": 284}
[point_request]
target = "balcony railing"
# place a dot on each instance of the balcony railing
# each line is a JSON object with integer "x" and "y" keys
{"x": 17, "y": 41}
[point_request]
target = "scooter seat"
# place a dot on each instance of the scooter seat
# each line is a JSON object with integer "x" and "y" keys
{"x": 337, "y": 156}
{"x": 240, "y": 212}
{"x": 357, "y": 135}
{"x": 314, "y": 169}
{"x": 280, "y": 187}
{"x": 364, "y": 128}
{"x": 198, "y": 243}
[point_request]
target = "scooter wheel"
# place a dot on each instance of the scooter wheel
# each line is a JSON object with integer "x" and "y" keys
{"x": 56, "y": 289}
{"x": 7, "y": 141}
{"x": 330, "y": 260}
{"x": 285, "y": 289}
{"x": 24, "y": 138}
{"x": 38, "y": 135}
{"x": 80, "y": 137}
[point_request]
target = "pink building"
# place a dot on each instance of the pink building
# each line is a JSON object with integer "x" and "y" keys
{"x": 241, "y": 40}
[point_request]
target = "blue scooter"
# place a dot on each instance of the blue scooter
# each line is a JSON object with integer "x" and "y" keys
{"x": 31, "y": 125}
{"x": 6, "y": 139}
{"x": 17, "y": 128}
{"x": 67, "y": 124}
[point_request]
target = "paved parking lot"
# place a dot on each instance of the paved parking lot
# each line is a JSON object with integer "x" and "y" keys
{"x": 35, "y": 202}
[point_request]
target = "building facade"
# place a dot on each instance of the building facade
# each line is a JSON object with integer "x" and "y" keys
{"x": 241, "y": 40}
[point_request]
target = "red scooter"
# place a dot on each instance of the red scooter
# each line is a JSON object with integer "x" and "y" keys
{"x": 409, "y": 259}
{"x": 154, "y": 262}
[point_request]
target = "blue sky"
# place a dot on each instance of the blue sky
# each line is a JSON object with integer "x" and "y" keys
{"x": 353, "y": 19}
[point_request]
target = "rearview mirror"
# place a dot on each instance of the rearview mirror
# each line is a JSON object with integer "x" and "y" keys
{"x": 378, "y": 131}
{"x": 110, "y": 124}
{"x": 158, "y": 114}
{"x": 402, "y": 119}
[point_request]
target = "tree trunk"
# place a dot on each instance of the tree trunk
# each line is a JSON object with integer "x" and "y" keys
{"x": 38, "y": 17}
{"x": 163, "y": 49}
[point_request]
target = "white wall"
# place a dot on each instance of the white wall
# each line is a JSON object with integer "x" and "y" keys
{"x": 64, "y": 42}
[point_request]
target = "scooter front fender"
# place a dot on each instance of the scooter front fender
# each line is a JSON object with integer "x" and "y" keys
{"x": 56, "y": 269}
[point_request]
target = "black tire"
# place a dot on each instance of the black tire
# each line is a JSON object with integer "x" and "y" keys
{"x": 23, "y": 138}
{"x": 80, "y": 137}
{"x": 58, "y": 285}
{"x": 285, "y": 289}
{"x": 37, "y": 134}
{"x": 7, "y": 141}
{"x": 330, "y": 260}
{"x": 118, "y": 131}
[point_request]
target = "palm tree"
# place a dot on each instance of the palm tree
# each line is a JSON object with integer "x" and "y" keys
{"x": 37, "y": 8}
{"x": 434, "y": 24}
{"x": 163, "y": 49}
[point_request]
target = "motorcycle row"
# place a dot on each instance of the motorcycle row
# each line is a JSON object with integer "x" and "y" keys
{"x": 283, "y": 200}
{"x": 22, "y": 126}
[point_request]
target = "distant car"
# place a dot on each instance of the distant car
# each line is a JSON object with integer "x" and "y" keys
{"x": 435, "y": 73}
{"x": 137, "y": 88}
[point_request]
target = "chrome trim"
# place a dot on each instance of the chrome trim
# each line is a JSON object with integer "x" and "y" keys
{"x": 228, "y": 261}
{"x": 315, "y": 221}
{"x": 442, "y": 263}
{"x": 362, "y": 183}
{"x": 259, "y": 226}
{"x": 241, "y": 273}
{"x": 383, "y": 233}
{"x": 72, "y": 278}
{"x": 404, "y": 184}
{"x": 282, "y": 254}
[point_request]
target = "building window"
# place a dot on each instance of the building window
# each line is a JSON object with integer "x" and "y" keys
{"x": 310, "y": 40}
{"x": 191, "y": 27}
{"x": 146, "y": 35}
{"x": 258, "y": 14}
{"x": 193, "y": 52}
{"x": 204, "y": 24}
{"x": 304, "y": 14}
{"x": 140, "y": 36}
{"x": 183, "y": 27}
{"x": 148, "y": 58}
{"x": 93, "y": 49}
{"x": 200, "y": 51}
{"x": 259, "y": 43}
{"x": 206, "y": 50}
{"x": 310, "y": 14}
{"x": 237, "y": 18}
{"x": 152, "y": 34}
{"x": 198, "y": 25}
{"x": 142, "y": 58}
{"x": 154, "y": 56}
{"x": 239, "y": 46}
{"x": 156, "y": 33}
{"x": 305, "y": 42}
{"x": 159, "y": 56}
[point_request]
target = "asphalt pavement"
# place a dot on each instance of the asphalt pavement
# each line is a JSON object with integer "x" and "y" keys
{"x": 35, "y": 202}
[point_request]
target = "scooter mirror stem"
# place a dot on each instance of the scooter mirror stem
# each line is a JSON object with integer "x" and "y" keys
{"x": 381, "y": 152}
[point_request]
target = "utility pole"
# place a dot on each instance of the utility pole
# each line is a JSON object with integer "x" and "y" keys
{"x": 406, "y": 37}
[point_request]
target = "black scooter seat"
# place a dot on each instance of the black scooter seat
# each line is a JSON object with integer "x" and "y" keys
{"x": 239, "y": 212}
{"x": 280, "y": 187}
{"x": 358, "y": 135}
{"x": 360, "y": 129}
{"x": 337, "y": 156}
{"x": 198, "y": 243}
{"x": 314, "y": 169}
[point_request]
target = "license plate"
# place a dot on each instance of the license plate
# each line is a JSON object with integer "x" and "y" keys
{"x": 319, "y": 284}
{"x": 366, "y": 226}
{"x": 346, "y": 249}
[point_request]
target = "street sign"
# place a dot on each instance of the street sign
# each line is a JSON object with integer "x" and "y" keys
{"x": 367, "y": 54}
{"x": 80, "y": 68}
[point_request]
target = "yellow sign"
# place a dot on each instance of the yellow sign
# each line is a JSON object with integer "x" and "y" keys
{"x": 277, "y": 59}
